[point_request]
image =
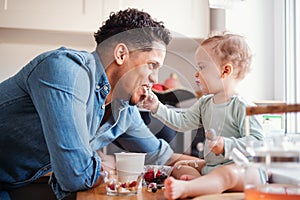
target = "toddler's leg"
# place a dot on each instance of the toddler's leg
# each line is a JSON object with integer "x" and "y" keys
{"x": 223, "y": 178}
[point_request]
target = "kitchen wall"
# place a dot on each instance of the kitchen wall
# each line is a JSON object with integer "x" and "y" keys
{"x": 18, "y": 46}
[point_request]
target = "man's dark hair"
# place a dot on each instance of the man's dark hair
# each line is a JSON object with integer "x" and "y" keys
{"x": 134, "y": 28}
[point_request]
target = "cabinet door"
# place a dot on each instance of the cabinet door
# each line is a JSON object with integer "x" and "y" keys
{"x": 186, "y": 18}
{"x": 61, "y": 15}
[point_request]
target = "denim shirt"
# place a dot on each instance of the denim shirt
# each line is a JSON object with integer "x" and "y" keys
{"x": 50, "y": 121}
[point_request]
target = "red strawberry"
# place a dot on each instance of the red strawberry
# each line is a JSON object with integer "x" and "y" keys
{"x": 133, "y": 184}
{"x": 149, "y": 176}
{"x": 112, "y": 186}
{"x": 123, "y": 185}
{"x": 158, "y": 174}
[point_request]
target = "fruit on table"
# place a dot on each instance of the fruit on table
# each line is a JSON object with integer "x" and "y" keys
{"x": 122, "y": 187}
{"x": 112, "y": 186}
{"x": 133, "y": 184}
{"x": 172, "y": 82}
{"x": 155, "y": 177}
{"x": 154, "y": 189}
{"x": 158, "y": 87}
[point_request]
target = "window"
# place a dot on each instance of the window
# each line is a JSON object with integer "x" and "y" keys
{"x": 292, "y": 62}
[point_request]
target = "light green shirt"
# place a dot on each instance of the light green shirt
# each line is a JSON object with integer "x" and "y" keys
{"x": 227, "y": 119}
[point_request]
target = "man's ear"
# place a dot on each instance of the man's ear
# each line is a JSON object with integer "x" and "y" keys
{"x": 120, "y": 53}
{"x": 227, "y": 70}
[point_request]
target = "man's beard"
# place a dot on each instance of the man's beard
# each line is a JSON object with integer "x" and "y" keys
{"x": 135, "y": 103}
{"x": 131, "y": 102}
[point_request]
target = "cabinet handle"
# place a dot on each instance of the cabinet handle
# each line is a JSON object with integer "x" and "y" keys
{"x": 5, "y": 4}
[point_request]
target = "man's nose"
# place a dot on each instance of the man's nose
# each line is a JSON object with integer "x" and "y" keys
{"x": 153, "y": 77}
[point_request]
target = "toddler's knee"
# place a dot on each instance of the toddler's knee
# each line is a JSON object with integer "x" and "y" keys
{"x": 232, "y": 175}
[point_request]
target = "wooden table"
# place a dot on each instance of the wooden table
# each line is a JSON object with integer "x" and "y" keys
{"x": 99, "y": 193}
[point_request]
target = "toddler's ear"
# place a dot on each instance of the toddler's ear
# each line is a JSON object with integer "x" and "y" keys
{"x": 227, "y": 70}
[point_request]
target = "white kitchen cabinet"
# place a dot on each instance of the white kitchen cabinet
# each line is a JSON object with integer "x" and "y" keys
{"x": 189, "y": 18}
{"x": 186, "y": 18}
{"x": 58, "y": 15}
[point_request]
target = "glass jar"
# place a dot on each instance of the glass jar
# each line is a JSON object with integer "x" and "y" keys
{"x": 273, "y": 173}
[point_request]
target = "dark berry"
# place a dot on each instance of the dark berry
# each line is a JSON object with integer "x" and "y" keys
{"x": 163, "y": 176}
{"x": 157, "y": 180}
{"x": 154, "y": 189}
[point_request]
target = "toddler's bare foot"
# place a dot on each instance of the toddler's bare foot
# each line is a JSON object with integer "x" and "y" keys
{"x": 175, "y": 189}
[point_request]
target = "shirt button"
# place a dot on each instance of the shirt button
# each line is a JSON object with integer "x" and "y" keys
{"x": 97, "y": 87}
{"x": 103, "y": 106}
{"x": 105, "y": 87}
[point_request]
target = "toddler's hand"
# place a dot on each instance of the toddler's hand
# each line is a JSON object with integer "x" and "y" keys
{"x": 150, "y": 102}
{"x": 217, "y": 145}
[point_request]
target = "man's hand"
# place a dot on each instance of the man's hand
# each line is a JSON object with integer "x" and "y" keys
{"x": 216, "y": 145}
{"x": 108, "y": 162}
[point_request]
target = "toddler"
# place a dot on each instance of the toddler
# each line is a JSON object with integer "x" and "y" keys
{"x": 222, "y": 62}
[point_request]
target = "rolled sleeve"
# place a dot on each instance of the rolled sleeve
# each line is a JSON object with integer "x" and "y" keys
{"x": 161, "y": 156}
{"x": 61, "y": 104}
{"x": 64, "y": 187}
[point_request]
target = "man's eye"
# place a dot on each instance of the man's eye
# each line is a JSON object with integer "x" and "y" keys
{"x": 200, "y": 67}
{"x": 152, "y": 65}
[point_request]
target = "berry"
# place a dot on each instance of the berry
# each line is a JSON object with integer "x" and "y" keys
{"x": 163, "y": 177}
{"x": 133, "y": 184}
{"x": 158, "y": 174}
{"x": 149, "y": 176}
{"x": 123, "y": 185}
{"x": 112, "y": 186}
{"x": 152, "y": 185}
{"x": 154, "y": 189}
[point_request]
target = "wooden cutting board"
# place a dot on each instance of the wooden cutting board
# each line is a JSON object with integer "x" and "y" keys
{"x": 223, "y": 196}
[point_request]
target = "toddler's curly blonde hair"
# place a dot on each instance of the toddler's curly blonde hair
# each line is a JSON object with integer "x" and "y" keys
{"x": 231, "y": 48}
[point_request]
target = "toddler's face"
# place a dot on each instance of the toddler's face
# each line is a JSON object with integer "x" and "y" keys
{"x": 208, "y": 72}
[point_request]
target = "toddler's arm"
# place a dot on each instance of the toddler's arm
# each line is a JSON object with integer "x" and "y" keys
{"x": 150, "y": 102}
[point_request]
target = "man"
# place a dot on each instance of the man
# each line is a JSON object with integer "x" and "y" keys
{"x": 63, "y": 107}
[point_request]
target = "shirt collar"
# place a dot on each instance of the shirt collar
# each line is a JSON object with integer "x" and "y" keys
{"x": 100, "y": 75}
